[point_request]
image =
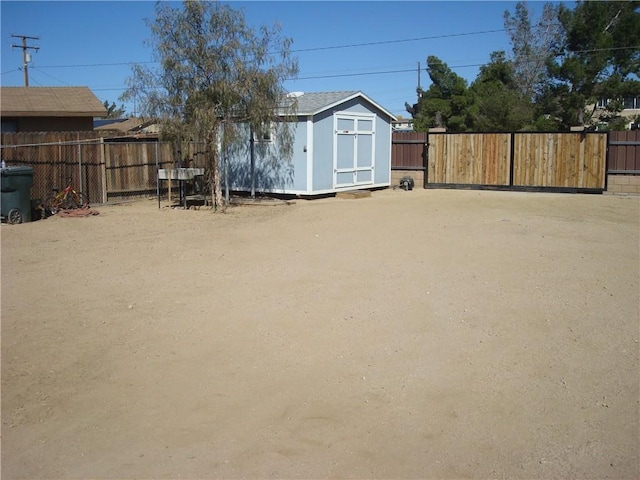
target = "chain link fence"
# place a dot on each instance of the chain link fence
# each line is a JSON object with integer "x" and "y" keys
{"x": 103, "y": 170}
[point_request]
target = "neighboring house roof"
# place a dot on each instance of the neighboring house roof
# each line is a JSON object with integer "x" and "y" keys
{"x": 312, "y": 103}
{"x": 130, "y": 125}
{"x": 50, "y": 102}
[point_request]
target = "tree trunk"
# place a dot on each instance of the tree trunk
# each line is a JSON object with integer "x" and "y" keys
{"x": 217, "y": 184}
{"x": 215, "y": 180}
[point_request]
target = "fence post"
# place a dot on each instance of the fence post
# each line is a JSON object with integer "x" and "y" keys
{"x": 87, "y": 181}
{"x": 512, "y": 151}
{"x": 103, "y": 170}
{"x": 157, "y": 175}
{"x": 80, "y": 167}
{"x": 607, "y": 159}
{"x": 425, "y": 160}
{"x": 60, "y": 180}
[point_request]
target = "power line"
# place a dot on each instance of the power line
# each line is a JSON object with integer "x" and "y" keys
{"x": 340, "y": 75}
{"x": 50, "y": 76}
{"x": 311, "y": 49}
{"x": 593, "y": 50}
{"x": 388, "y": 42}
{"x": 412, "y": 70}
{"x": 325, "y": 48}
{"x": 359, "y": 74}
{"x": 88, "y": 65}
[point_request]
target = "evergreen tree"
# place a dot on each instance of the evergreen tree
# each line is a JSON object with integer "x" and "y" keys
{"x": 598, "y": 58}
{"x": 445, "y": 103}
{"x": 498, "y": 103}
{"x": 113, "y": 111}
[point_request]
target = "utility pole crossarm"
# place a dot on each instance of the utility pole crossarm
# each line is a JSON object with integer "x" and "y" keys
{"x": 25, "y": 48}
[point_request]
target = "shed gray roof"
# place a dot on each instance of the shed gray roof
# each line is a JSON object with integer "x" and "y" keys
{"x": 312, "y": 103}
{"x": 50, "y": 102}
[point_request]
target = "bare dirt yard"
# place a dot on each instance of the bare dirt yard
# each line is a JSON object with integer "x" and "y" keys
{"x": 422, "y": 334}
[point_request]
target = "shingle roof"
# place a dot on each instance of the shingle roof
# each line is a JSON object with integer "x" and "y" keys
{"x": 311, "y": 103}
{"x": 125, "y": 124}
{"x": 314, "y": 102}
{"x": 50, "y": 102}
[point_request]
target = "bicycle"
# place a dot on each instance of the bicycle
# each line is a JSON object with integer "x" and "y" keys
{"x": 66, "y": 199}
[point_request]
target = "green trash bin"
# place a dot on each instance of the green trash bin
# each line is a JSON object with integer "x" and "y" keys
{"x": 15, "y": 194}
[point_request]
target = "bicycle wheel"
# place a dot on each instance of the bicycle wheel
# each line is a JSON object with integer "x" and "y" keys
{"x": 76, "y": 200}
{"x": 72, "y": 201}
{"x": 66, "y": 203}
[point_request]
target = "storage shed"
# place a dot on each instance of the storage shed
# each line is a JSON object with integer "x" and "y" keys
{"x": 342, "y": 141}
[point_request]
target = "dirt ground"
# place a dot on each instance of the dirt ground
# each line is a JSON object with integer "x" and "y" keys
{"x": 422, "y": 334}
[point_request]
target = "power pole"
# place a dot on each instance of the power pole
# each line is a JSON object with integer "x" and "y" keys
{"x": 419, "y": 89}
{"x": 25, "y": 55}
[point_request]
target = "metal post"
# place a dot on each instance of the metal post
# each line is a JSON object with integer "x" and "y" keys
{"x": 253, "y": 163}
{"x": 86, "y": 177}
{"x": 157, "y": 176}
{"x": 60, "y": 180}
{"x": 226, "y": 178}
{"x": 80, "y": 167}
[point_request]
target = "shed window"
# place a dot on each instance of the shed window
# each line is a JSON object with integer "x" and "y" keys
{"x": 365, "y": 125}
{"x": 265, "y": 134}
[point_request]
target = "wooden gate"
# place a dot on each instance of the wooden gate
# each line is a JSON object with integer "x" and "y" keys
{"x": 469, "y": 159}
{"x": 553, "y": 161}
{"x": 560, "y": 160}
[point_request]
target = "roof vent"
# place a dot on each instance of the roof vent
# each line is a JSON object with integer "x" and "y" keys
{"x": 295, "y": 94}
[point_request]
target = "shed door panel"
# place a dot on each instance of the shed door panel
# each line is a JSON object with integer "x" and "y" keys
{"x": 354, "y": 151}
{"x": 344, "y": 153}
{"x": 364, "y": 151}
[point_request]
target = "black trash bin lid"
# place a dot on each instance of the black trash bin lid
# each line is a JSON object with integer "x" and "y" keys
{"x": 16, "y": 171}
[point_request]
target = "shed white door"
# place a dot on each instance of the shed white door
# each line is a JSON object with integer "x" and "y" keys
{"x": 353, "y": 149}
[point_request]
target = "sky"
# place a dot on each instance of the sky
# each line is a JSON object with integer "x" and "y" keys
{"x": 371, "y": 46}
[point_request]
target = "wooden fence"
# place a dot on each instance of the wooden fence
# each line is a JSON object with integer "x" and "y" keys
{"x": 108, "y": 168}
{"x": 101, "y": 168}
{"x": 556, "y": 161}
{"x": 409, "y": 150}
{"x": 624, "y": 152}
{"x": 131, "y": 168}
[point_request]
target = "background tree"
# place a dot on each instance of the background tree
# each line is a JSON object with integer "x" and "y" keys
{"x": 532, "y": 47}
{"x": 598, "y": 57}
{"x": 218, "y": 81}
{"x": 447, "y": 98}
{"x": 113, "y": 111}
{"x": 499, "y": 105}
